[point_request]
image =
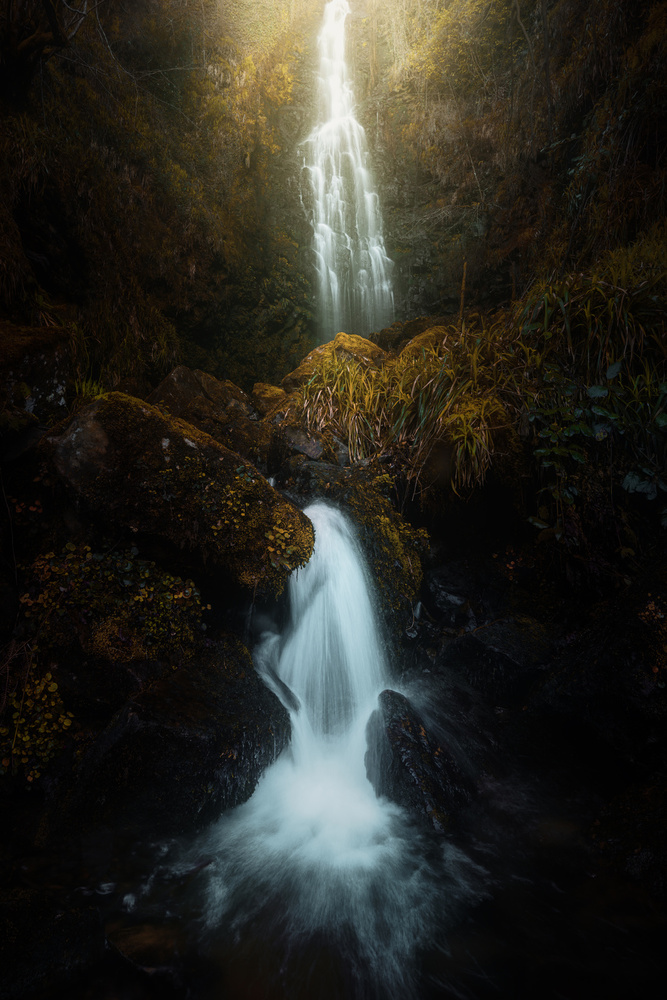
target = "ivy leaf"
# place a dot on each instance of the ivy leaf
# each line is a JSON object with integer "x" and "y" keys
{"x": 597, "y": 391}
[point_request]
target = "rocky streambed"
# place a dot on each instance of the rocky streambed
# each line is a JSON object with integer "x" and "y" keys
{"x": 146, "y": 540}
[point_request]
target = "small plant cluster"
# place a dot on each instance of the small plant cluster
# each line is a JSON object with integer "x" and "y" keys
{"x": 600, "y": 352}
{"x": 37, "y": 727}
{"x": 116, "y": 605}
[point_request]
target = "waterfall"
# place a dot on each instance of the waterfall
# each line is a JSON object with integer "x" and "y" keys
{"x": 316, "y": 881}
{"x": 353, "y": 271}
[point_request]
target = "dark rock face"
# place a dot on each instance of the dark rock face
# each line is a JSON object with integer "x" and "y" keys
{"x": 502, "y": 659}
{"x": 155, "y": 475}
{"x": 184, "y": 749}
{"x": 613, "y": 672}
{"x": 407, "y": 765}
{"x": 34, "y": 368}
{"x": 220, "y": 409}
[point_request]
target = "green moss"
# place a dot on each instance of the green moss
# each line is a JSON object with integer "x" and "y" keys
{"x": 162, "y": 476}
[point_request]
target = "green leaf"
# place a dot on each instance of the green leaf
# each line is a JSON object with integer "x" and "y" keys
{"x": 537, "y": 523}
{"x": 661, "y": 421}
{"x": 601, "y": 412}
{"x": 597, "y": 391}
{"x": 613, "y": 370}
{"x": 631, "y": 482}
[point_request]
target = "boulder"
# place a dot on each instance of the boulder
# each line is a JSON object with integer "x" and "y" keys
{"x": 303, "y": 442}
{"x": 267, "y": 399}
{"x": 433, "y": 337}
{"x": 344, "y": 345}
{"x": 220, "y": 409}
{"x": 405, "y": 763}
{"x": 178, "y": 753}
{"x": 395, "y": 337}
{"x": 140, "y": 470}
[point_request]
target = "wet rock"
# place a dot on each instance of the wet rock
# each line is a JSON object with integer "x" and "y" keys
{"x": 345, "y": 345}
{"x": 310, "y": 444}
{"x": 268, "y": 398}
{"x": 45, "y": 943}
{"x": 140, "y": 470}
{"x": 405, "y": 763}
{"x": 502, "y": 659}
{"x": 194, "y": 743}
{"x": 220, "y": 409}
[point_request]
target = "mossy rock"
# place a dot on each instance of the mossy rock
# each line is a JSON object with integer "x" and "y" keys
{"x": 267, "y": 399}
{"x": 220, "y": 409}
{"x": 137, "y": 469}
{"x": 431, "y": 338}
{"x": 397, "y": 336}
{"x": 393, "y": 548}
{"x": 347, "y": 345}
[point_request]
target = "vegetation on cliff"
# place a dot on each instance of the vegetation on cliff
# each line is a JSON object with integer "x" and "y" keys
{"x": 134, "y": 186}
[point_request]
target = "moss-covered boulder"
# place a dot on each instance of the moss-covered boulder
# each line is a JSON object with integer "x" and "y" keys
{"x": 138, "y": 469}
{"x": 347, "y": 345}
{"x": 431, "y": 338}
{"x": 220, "y": 409}
{"x": 268, "y": 399}
{"x": 395, "y": 337}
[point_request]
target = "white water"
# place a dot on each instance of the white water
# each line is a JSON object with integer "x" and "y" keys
{"x": 353, "y": 271}
{"x": 315, "y": 855}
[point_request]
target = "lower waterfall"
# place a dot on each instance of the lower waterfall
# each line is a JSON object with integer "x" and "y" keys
{"x": 316, "y": 887}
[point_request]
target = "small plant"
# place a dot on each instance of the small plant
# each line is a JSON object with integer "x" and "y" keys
{"x": 115, "y": 605}
{"x": 85, "y": 391}
{"x": 38, "y": 725}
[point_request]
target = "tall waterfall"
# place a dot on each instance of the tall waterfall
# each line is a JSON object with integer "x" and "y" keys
{"x": 353, "y": 271}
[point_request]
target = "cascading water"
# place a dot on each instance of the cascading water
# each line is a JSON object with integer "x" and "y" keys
{"x": 316, "y": 887}
{"x": 353, "y": 271}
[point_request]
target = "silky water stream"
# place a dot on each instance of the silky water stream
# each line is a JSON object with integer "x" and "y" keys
{"x": 354, "y": 284}
{"x": 317, "y": 887}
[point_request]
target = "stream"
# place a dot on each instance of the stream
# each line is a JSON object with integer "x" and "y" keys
{"x": 317, "y": 887}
